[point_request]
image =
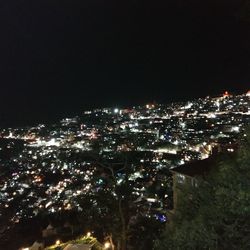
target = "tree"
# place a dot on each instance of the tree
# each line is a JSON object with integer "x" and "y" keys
{"x": 112, "y": 209}
{"x": 216, "y": 214}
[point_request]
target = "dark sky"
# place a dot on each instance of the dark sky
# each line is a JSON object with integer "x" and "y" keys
{"x": 60, "y": 57}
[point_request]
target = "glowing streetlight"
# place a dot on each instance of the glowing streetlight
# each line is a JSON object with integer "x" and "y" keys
{"x": 58, "y": 242}
{"x": 107, "y": 245}
{"x": 88, "y": 234}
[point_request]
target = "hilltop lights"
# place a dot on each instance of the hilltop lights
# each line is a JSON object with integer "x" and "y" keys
{"x": 226, "y": 94}
{"x": 150, "y": 106}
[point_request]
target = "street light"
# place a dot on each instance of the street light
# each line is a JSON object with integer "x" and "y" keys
{"x": 107, "y": 245}
{"x": 58, "y": 242}
{"x": 88, "y": 234}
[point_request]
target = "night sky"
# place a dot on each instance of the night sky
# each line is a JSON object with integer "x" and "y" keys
{"x": 58, "y": 58}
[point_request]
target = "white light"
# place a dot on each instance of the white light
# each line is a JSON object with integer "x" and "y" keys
{"x": 48, "y": 204}
{"x": 151, "y": 200}
{"x": 236, "y": 129}
{"x": 183, "y": 124}
{"x": 116, "y": 110}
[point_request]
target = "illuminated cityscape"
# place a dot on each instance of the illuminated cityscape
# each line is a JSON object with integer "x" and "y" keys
{"x": 125, "y": 125}
{"x": 47, "y": 169}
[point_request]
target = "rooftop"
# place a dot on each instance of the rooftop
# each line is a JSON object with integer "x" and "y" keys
{"x": 197, "y": 168}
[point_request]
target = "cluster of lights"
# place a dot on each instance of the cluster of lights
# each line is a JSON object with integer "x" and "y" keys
{"x": 173, "y": 126}
{"x": 106, "y": 245}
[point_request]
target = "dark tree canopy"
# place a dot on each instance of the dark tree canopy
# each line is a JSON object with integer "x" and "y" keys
{"x": 216, "y": 214}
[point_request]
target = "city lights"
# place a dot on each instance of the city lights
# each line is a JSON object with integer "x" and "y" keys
{"x": 54, "y": 167}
